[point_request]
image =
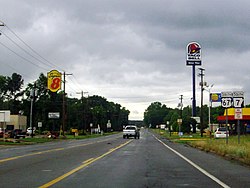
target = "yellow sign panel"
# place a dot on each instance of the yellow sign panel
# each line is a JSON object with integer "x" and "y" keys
{"x": 74, "y": 130}
{"x": 54, "y": 80}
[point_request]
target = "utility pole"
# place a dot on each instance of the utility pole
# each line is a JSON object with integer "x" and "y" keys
{"x": 83, "y": 110}
{"x": 209, "y": 107}
{"x": 82, "y": 115}
{"x": 32, "y": 99}
{"x": 64, "y": 102}
{"x": 180, "y": 105}
{"x": 202, "y": 84}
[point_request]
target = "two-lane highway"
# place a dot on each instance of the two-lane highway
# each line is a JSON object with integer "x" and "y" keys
{"x": 116, "y": 162}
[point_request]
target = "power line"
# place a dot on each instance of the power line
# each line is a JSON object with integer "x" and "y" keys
{"x": 22, "y": 56}
{"x": 34, "y": 51}
{"x": 25, "y": 50}
{"x": 75, "y": 82}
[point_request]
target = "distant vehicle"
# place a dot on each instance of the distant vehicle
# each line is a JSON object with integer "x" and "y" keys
{"x": 29, "y": 131}
{"x": 221, "y": 132}
{"x": 131, "y": 131}
{"x": 17, "y": 133}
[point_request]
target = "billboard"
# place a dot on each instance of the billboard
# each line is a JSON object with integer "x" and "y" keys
{"x": 193, "y": 54}
{"x": 54, "y": 80}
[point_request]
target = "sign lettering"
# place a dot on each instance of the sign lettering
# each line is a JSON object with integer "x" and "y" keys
{"x": 226, "y": 102}
{"x": 193, "y": 54}
{"x": 54, "y": 80}
{"x": 232, "y": 99}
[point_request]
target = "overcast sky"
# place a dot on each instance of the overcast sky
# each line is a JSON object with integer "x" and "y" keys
{"x": 131, "y": 52}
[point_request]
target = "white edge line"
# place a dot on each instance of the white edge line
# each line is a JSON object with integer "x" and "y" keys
{"x": 195, "y": 165}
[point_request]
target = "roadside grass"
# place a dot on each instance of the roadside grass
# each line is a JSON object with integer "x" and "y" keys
{"x": 42, "y": 139}
{"x": 24, "y": 141}
{"x": 238, "y": 150}
{"x": 233, "y": 150}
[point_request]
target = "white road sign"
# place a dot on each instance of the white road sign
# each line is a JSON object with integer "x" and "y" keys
{"x": 54, "y": 115}
{"x": 238, "y": 102}
{"x": 227, "y": 94}
{"x": 232, "y": 99}
{"x": 238, "y": 113}
{"x": 238, "y": 93}
{"x": 39, "y": 124}
{"x": 226, "y": 102}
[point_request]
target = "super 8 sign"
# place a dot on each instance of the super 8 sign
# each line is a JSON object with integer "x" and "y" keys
{"x": 54, "y": 80}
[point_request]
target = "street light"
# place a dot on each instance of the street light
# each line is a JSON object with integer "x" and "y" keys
{"x": 209, "y": 105}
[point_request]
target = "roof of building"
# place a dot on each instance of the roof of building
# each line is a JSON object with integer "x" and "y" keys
{"x": 230, "y": 113}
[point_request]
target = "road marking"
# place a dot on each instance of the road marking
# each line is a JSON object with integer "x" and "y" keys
{"x": 31, "y": 154}
{"x": 195, "y": 165}
{"x": 85, "y": 163}
{"x": 47, "y": 151}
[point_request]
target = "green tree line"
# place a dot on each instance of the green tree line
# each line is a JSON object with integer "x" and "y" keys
{"x": 158, "y": 113}
{"x": 80, "y": 113}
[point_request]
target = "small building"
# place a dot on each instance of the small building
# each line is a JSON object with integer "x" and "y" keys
{"x": 16, "y": 122}
{"x": 232, "y": 122}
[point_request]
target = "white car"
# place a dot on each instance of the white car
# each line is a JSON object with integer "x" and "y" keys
{"x": 221, "y": 132}
{"x": 131, "y": 131}
{"x": 29, "y": 131}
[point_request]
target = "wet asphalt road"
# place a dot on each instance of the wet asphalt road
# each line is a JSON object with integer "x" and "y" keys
{"x": 116, "y": 162}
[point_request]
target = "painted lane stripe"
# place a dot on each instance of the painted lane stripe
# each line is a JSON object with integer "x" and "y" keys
{"x": 52, "y": 150}
{"x": 194, "y": 165}
{"x": 85, "y": 163}
{"x": 31, "y": 154}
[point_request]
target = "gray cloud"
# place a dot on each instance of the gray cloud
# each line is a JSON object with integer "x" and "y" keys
{"x": 131, "y": 52}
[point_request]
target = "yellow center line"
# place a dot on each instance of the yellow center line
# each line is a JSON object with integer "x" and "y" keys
{"x": 47, "y": 151}
{"x": 31, "y": 154}
{"x": 85, "y": 163}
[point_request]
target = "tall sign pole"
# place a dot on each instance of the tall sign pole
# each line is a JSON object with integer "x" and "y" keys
{"x": 193, "y": 59}
{"x": 238, "y": 102}
{"x": 64, "y": 103}
{"x": 194, "y": 98}
{"x": 54, "y": 81}
{"x": 233, "y": 99}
